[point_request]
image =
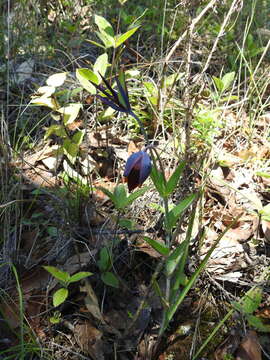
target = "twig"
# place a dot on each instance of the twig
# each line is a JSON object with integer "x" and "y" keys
{"x": 190, "y": 30}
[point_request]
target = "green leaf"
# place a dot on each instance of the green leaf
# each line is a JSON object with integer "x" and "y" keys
{"x": 110, "y": 279}
{"x": 95, "y": 43}
{"x": 174, "y": 179}
{"x": 136, "y": 194}
{"x": 107, "y": 40}
{"x": 101, "y": 65}
{"x": 46, "y": 91}
{"x": 257, "y": 323}
{"x": 77, "y": 138}
{"x": 265, "y": 212}
{"x": 57, "y": 130}
{"x": 45, "y": 101}
{"x": 79, "y": 276}
{"x": 219, "y": 83}
{"x": 70, "y": 149}
{"x": 171, "y": 79}
{"x": 159, "y": 181}
{"x": 263, "y": 174}
{"x": 52, "y": 231}
{"x": 252, "y": 300}
{"x": 72, "y": 174}
{"x": 120, "y": 196}
{"x": 108, "y": 193}
{"x": 127, "y": 224}
{"x": 55, "y": 320}
{"x": 84, "y": 76}
{"x": 160, "y": 248}
{"x": 174, "y": 214}
{"x": 56, "y": 79}
{"x": 178, "y": 210}
{"x": 174, "y": 258}
{"x": 227, "y": 80}
{"x": 106, "y": 114}
{"x": 70, "y": 112}
{"x": 104, "y": 261}
{"x": 60, "y": 296}
{"x": 122, "y": 38}
{"x": 104, "y": 25}
{"x": 58, "y": 274}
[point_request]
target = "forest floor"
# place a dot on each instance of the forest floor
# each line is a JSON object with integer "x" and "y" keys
{"x": 56, "y": 210}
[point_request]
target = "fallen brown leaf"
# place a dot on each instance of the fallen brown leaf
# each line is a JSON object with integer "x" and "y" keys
{"x": 89, "y": 339}
{"x": 249, "y": 348}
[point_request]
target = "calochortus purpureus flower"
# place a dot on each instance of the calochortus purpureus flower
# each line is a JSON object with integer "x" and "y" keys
{"x": 137, "y": 170}
{"x": 118, "y": 100}
{"x": 138, "y": 166}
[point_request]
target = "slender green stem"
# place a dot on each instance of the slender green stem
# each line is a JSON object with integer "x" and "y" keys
{"x": 22, "y": 350}
{"x": 141, "y": 127}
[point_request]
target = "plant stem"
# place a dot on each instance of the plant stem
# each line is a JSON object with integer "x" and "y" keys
{"x": 141, "y": 127}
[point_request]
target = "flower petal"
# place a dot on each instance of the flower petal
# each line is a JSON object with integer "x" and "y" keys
{"x": 132, "y": 161}
{"x": 133, "y": 179}
{"x": 108, "y": 102}
{"x": 145, "y": 167}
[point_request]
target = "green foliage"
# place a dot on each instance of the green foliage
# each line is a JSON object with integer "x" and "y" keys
{"x": 65, "y": 279}
{"x": 105, "y": 263}
{"x": 248, "y": 305}
{"x": 163, "y": 250}
{"x": 120, "y": 198}
{"x": 107, "y": 36}
{"x": 164, "y": 187}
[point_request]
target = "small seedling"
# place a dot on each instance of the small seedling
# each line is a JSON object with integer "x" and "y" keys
{"x": 64, "y": 278}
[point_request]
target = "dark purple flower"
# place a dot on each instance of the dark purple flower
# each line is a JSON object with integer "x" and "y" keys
{"x": 119, "y": 101}
{"x": 138, "y": 168}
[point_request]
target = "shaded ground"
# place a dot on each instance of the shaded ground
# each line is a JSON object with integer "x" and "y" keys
{"x": 49, "y": 218}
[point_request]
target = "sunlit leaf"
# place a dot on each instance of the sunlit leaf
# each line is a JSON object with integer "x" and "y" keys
{"x": 45, "y": 101}
{"x": 120, "y": 196}
{"x": 174, "y": 214}
{"x": 72, "y": 174}
{"x": 85, "y": 76}
{"x": 70, "y": 149}
{"x": 101, "y": 65}
{"x": 107, "y": 40}
{"x": 174, "y": 258}
{"x": 160, "y": 248}
{"x": 58, "y": 130}
{"x": 60, "y": 296}
{"x": 174, "y": 179}
{"x": 58, "y": 274}
{"x": 46, "y": 91}
{"x": 227, "y": 80}
{"x": 104, "y": 25}
{"x": 77, "y": 138}
{"x": 70, "y": 112}
{"x": 79, "y": 276}
{"x": 56, "y": 79}
{"x": 123, "y": 37}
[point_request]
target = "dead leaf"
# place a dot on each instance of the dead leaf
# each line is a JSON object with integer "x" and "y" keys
{"x": 91, "y": 301}
{"x": 89, "y": 339}
{"x": 266, "y": 229}
{"x": 249, "y": 348}
{"x": 228, "y": 347}
{"x": 132, "y": 147}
